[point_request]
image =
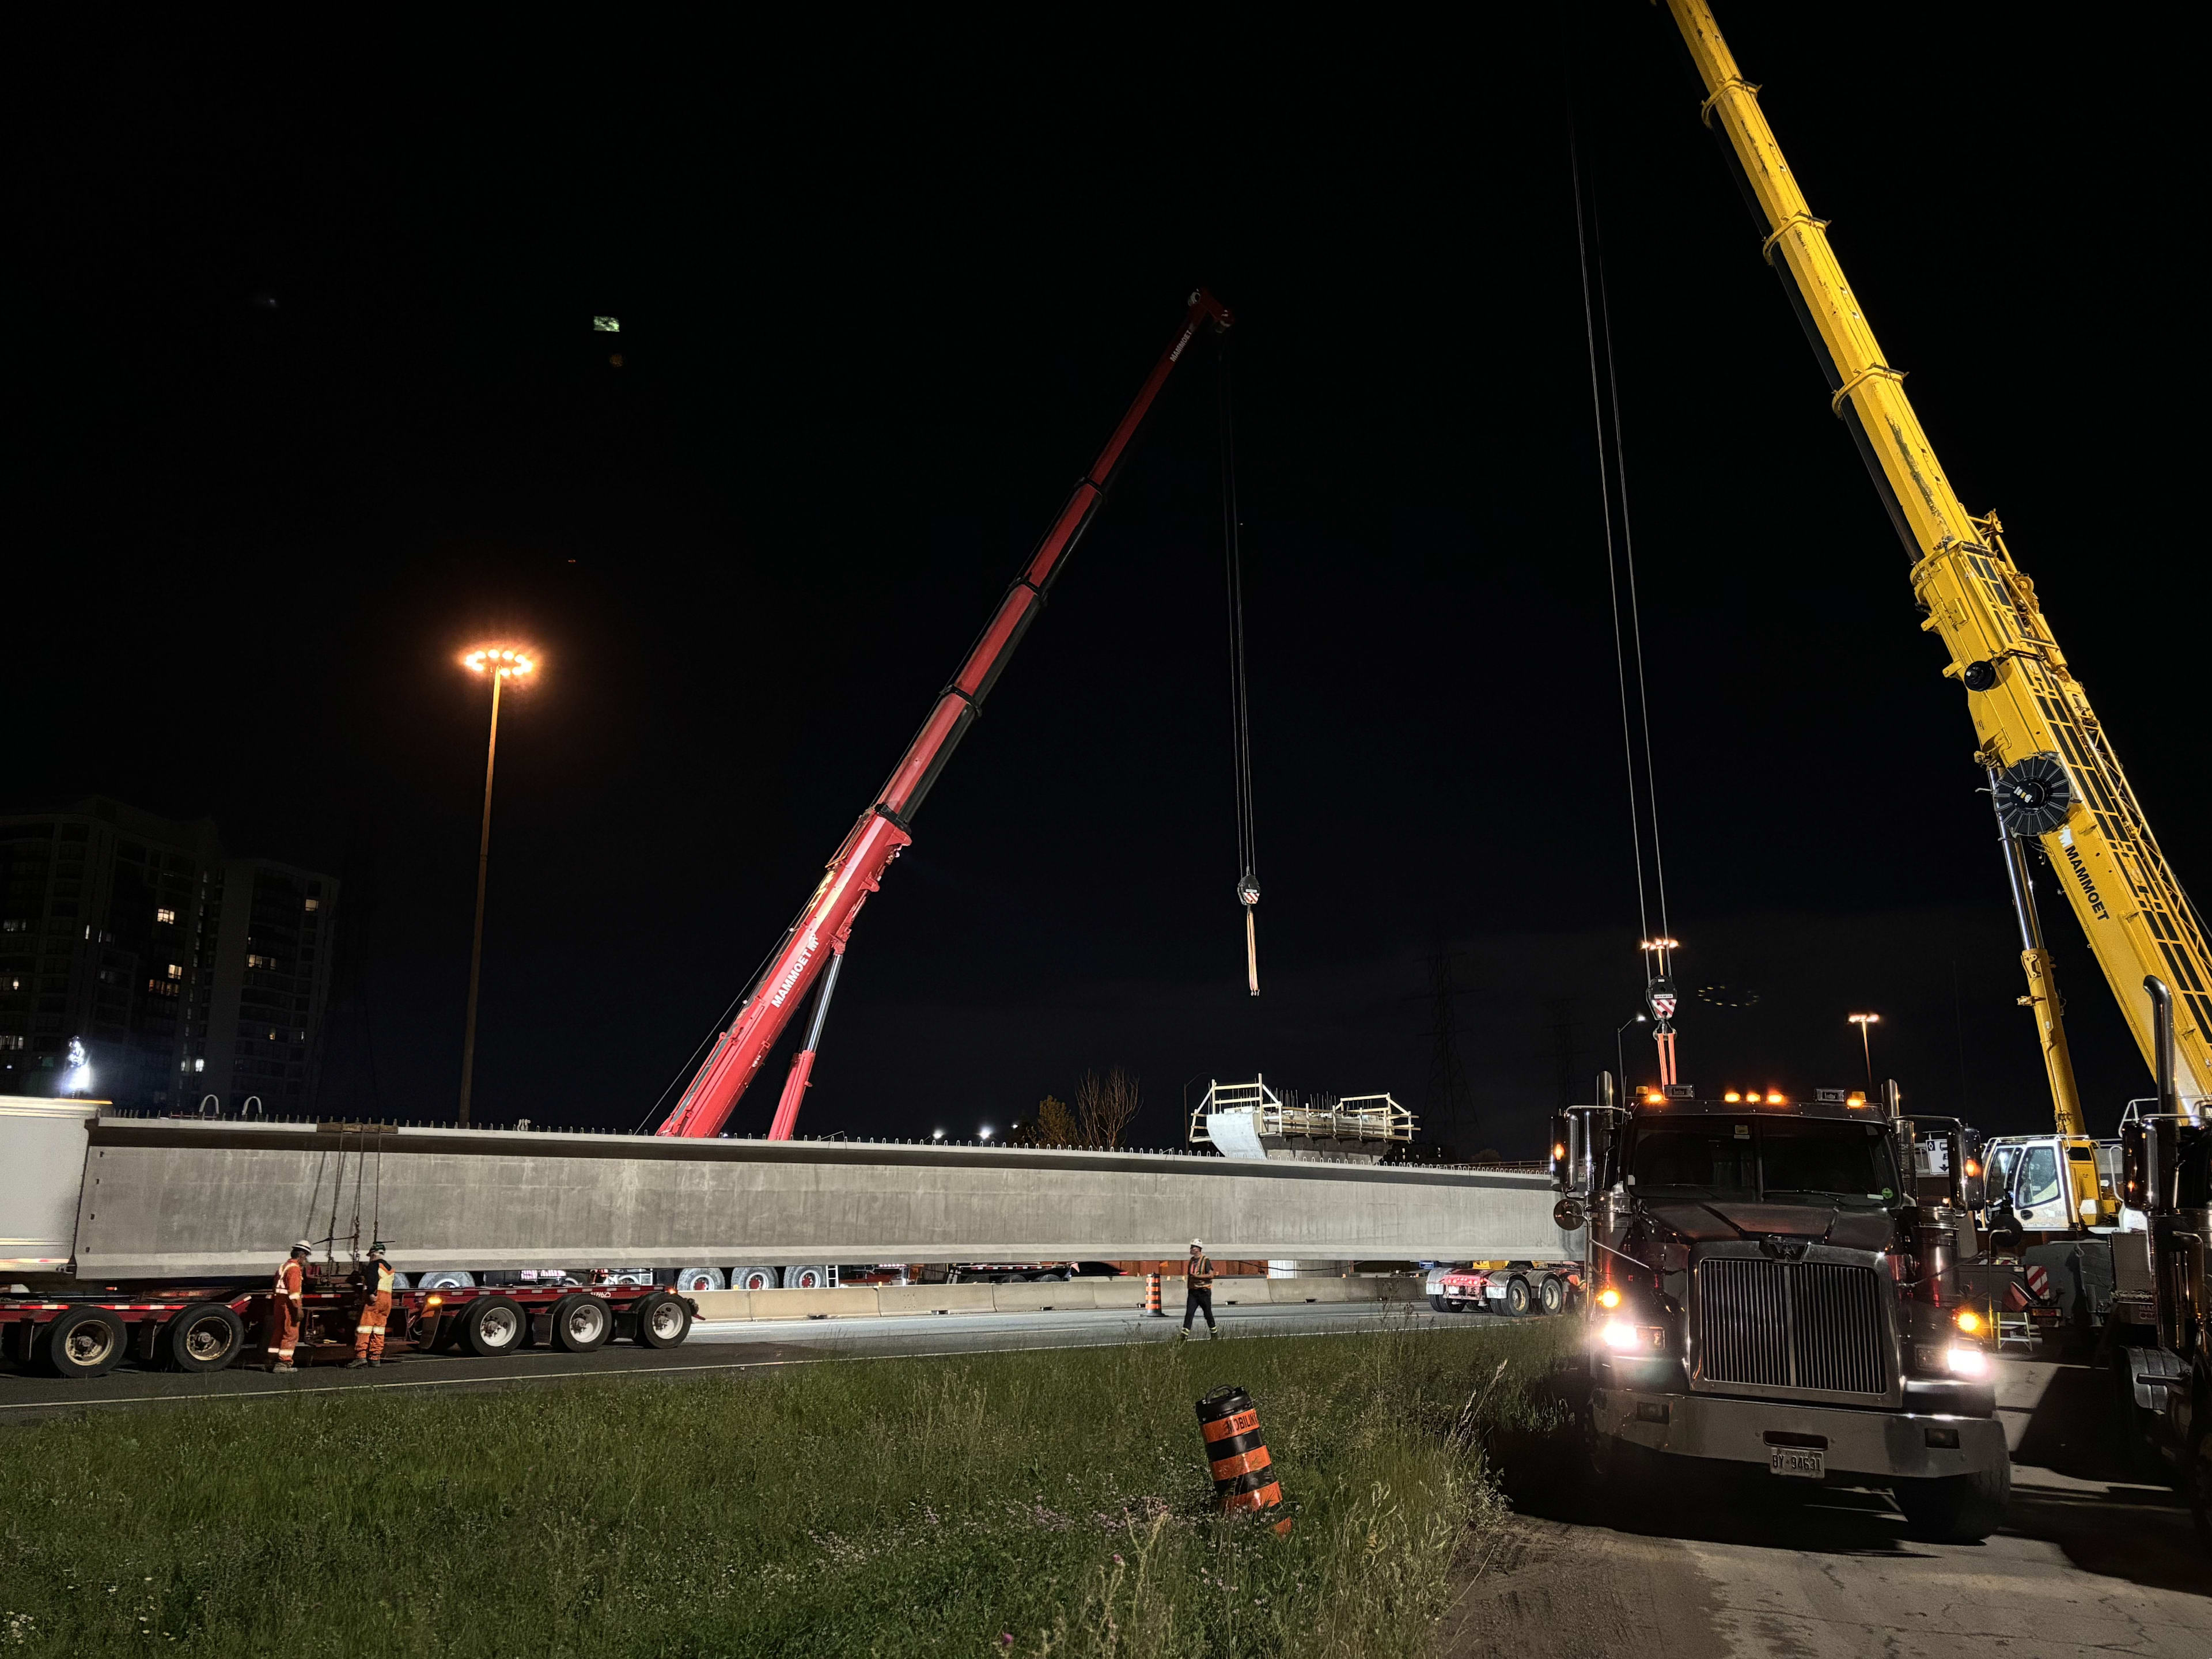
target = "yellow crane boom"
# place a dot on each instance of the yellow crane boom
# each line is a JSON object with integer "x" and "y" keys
{"x": 2053, "y": 769}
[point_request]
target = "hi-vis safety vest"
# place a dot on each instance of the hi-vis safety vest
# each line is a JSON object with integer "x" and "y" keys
{"x": 289, "y": 1277}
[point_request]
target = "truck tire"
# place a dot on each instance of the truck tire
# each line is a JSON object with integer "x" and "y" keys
{"x": 2198, "y": 1473}
{"x": 445, "y": 1278}
{"x": 1517, "y": 1299}
{"x": 699, "y": 1278}
{"x": 1439, "y": 1304}
{"x": 1959, "y": 1509}
{"x": 205, "y": 1337}
{"x": 661, "y": 1320}
{"x": 815, "y": 1277}
{"x": 1551, "y": 1295}
{"x": 756, "y": 1279}
{"x": 83, "y": 1343}
{"x": 580, "y": 1323}
{"x": 494, "y": 1325}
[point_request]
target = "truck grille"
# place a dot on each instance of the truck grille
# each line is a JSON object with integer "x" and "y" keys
{"x": 1814, "y": 1325}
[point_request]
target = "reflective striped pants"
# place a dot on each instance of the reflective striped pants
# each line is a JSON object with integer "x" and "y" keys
{"x": 369, "y": 1336}
{"x": 284, "y": 1330}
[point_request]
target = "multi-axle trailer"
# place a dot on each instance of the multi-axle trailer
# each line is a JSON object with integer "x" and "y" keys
{"x": 209, "y": 1328}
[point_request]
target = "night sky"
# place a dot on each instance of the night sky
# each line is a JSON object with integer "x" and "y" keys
{"x": 315, "y": 401}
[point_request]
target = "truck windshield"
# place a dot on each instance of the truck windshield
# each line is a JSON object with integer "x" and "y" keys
{"x": 1775, "y": 1160}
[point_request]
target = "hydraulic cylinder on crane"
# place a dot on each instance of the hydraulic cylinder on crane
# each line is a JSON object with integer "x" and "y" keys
{"x": 2054, "y": 772}
{"x": 824, "y": 925}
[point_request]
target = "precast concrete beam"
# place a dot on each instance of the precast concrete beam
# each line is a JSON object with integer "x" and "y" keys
{"x": 169, "y": 1198}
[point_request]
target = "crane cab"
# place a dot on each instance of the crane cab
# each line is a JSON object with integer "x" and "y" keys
{"x": 2051, "y": 1184}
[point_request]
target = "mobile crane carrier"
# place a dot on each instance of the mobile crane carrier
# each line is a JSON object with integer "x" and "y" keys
{"x": 1731, "y": 1326}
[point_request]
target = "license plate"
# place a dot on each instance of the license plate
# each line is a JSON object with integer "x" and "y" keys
{"x": 1805, "y": 1463}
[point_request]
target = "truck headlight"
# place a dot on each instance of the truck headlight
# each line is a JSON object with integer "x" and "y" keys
{"x": 1624, "y": 1338}
{"x": 1962, "y": 1361}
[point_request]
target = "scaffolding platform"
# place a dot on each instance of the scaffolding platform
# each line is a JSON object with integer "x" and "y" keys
{"x": 1250, "y": 1121}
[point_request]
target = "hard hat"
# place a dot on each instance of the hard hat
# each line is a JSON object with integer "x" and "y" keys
{"x": 379, "y": 1247}
{"x": 303, "y": 1245}
{"x": 1195, "y": 1245}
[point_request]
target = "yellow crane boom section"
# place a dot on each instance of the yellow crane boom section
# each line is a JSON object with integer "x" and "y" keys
{"x": 2137, "y": 918}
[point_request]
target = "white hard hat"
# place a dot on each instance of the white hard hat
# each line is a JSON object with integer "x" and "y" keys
{"x": 305, "y": 1244}
{"x": 1195, "y": 1245}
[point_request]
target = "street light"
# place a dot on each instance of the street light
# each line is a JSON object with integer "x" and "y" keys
{"x": 500, "y": 663}
{"x": 1618, "y": 1058}
{"x": 1866, "y": 1046}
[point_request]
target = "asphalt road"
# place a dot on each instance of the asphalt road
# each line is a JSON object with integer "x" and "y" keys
{"x": 2090, "y": 1560}
{"x": 738, "y": 1345}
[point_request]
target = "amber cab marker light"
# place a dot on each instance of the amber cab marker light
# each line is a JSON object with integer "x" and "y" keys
{"x": 1608, "y": 1297}
{"x": 1969, "y": 1323}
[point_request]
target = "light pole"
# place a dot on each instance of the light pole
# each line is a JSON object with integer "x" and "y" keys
{"x": 501, "y": 663}
{"x": 1866, "y": 1046}
{"x": 1618, "y": 1058}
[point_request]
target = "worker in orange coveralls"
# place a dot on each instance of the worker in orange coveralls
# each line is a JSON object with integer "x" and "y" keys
{"x": 374, "y": 1278}
{"x": 285, "y": 1306}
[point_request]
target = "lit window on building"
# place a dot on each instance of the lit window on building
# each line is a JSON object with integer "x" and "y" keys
{"x": 260, "y": 962}
{"x": 176, "y": 970}
{"x": 164, "y": 913}
{"x": 13, "y": 1043}
{"x": 314, "y": 904}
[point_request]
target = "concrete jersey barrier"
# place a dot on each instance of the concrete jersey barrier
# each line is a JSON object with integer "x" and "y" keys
{"x": 1128, "y": 1292}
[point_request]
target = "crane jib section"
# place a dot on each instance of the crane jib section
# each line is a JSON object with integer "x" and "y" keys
{"x": 824, "y": 925}
{"x": 2023, "y": 699}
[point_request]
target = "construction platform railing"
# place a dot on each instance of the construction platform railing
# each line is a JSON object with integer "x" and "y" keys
{"x": 1353, "y": 1117}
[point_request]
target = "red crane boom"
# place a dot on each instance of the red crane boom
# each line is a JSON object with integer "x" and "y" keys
{"x": 883, "y": 831}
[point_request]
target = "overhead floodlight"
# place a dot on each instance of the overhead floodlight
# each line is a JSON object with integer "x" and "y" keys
{"x": 78, "y": 1078}
{"x": 606, "y": 324}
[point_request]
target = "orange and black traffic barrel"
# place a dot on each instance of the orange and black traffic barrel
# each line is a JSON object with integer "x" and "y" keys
{"x": 1243, "y": 1473}
{"x": 1152, "y": 1296}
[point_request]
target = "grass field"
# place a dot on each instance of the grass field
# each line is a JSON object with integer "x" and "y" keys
{"x": 1042, "y": 1503}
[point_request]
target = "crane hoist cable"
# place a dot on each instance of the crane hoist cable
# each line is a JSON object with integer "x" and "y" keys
{"x": 1240, "y": 700}
{"x": 1627, "y": 640}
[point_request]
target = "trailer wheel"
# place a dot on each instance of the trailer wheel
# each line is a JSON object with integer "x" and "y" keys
{"x": 811, "y": 1276}
{"x": 494, "y": 1325}
{"x": 1551, "y": 1295}
{"x": 756, "y": 1279}
{"x": 661, "y": 1320}
{"x": 580, "y": 1323}
{"x": 699, "y": 1278}
{"x": 205, "y": 1337}
{"x": 84, "y": 1342}
{"x": 1959, "y": 1509}
{"x": 1517, "y": 1299}
{"x": 445, "y": 1278}
{"x": 1439, "y": 1304}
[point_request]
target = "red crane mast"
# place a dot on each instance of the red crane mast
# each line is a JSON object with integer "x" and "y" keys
{"x": 825, "y": 925}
